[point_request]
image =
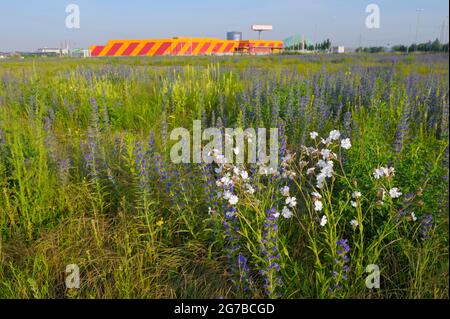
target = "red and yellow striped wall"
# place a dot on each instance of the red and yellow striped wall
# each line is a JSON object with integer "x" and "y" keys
{"x": 183, "y": 46}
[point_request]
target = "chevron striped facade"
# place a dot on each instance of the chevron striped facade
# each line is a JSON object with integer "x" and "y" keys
{"x": 184, "y": 46}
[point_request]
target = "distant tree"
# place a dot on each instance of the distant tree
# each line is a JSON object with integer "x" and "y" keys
{"x": 436, "y": 46}
{"x": 412, "y": 47}
{"x": 399, "y": 48}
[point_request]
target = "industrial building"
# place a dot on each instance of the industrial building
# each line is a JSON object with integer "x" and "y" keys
{"x": 338, "y": 49}
{"x": 187, "y": 47}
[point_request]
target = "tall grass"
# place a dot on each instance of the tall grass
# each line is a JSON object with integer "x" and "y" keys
{"x": 85, "y": 178}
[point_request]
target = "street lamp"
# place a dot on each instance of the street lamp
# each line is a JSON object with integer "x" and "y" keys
{"x": 417, "y": 27}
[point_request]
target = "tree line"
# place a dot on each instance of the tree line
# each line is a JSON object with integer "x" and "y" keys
{"x": 430, "y": 46}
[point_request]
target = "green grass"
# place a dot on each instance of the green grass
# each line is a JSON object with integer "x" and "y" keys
{"x": 160, "y": 242}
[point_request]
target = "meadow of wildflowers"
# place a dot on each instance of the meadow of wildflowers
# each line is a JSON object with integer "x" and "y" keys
{"x": 362, "y": 180}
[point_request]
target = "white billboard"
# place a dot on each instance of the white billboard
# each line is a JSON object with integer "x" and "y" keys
{"x": 262, "y": 27}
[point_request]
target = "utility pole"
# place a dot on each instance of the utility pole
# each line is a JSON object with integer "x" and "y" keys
{"x": 360, "y": 42}
{"x": 417, "y": 27}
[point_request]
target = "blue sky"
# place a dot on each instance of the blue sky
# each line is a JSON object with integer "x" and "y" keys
{"x": 29, "y": 24}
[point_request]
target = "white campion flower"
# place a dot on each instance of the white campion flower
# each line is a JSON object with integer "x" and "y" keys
{"x": 236, "y": 150}
{"x": 325, "y": 153}
{"x": 334, "y": 135}
{"x": 285, "y": 191}
{"x": 286, "y": 212}
{"x": 320, "y": 180}
{"x": 276, "y": 214}
{"x": 227, "y": 195}
{"x": 233, "y": 200}
{"x": 383, "y": 171}
{"x": 323, "y": 221}
{"x": 413, "y": 216}
{"x": 236, "y": 170}
{"x": 327, "y": 171}
{"x": 346, "y": 144}
{"x": 318, "y": 206}
{"x": 250, "y": 189}
{"x": 226, "y": 181}
{"x": 325, "y": 142}
{"x": 230, "y": 214}
{"x": 291, "y": 201}
{"x": 210, "y": 210}
{"x": 356, "y": 194}
{"x": 378, "y": 173}
{"x": 313, "y": 135}
{"x": 316, "y": 195}
{"x": 220, "y": 159}
{"x": 354, "y": 223}
{"x": 244, "y": 174}
{"x": 395, "y": 193}
{"x": 354, "y": 204}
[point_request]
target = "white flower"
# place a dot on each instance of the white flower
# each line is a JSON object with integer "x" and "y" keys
{"x": 356, "y": 194}
{"x": 318, "y": 206}
{"x": 244, "y": 174}
{"x": 230, "y": 214}
{"x": 227, "y": 195}
{"x": 286, "y": 212}
{"x": 233, "y": 200}
{"x": 326, "y": 171}
{"x": 310, "y": 171}
{"x": 413, "y": 216}
{"x": 209, "y": 210}
{"x": 220, "y": 159}
{"x": 383, "y": 171}
{"x": 236, "y": 170}
{"x": 218, "y": 170}
{"x": 285, "y": 191}
{"x": 250, "y": 189}
{"x": 378, "y": 173}
{"x": 291, "y": 201}
{"x": 236, "y": 150}
{"x": 335, "y": 135}
{"x": 354, "y": 223}
{"x": 354, "y": 204}
{"x": 320, "y": 180}
{"x": 313, "y": 135}
{"x": 325, "y": 153}
{"x": 323, "y": 221}
{"x": 345, "y": 143}
{"x": 276, "y": 214}
{"x": 316, "y": 195}
{"x": 226, "y": 181}
{"x": 395, "y": 193}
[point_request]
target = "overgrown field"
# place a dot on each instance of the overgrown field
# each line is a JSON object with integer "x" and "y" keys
{"x": 362, "y": 180}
